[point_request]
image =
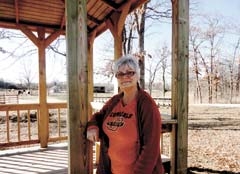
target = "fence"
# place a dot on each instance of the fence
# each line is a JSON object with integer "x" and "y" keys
{"x": 9, "y": 99}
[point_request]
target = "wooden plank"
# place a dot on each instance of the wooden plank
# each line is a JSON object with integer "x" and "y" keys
{"x": 46, "y": 3}
{"x": 14, "y": 107}
{"x": 28, "y": 8}
{"x": 30, "y": 35}
{"x": 12, "y": 144}
{"x": 7, "y": 10}
{"x": 43, "y": 17}
{"x": 99, "y": 10}
{"x": 57, "y": 105}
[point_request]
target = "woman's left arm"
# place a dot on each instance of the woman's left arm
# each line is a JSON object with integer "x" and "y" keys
{"x": 150, "y": 122}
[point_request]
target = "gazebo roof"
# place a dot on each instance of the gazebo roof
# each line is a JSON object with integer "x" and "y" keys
{"x": 50, "y": 14}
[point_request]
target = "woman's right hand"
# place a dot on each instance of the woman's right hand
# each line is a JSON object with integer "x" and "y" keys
{"x": 93, "y": 134}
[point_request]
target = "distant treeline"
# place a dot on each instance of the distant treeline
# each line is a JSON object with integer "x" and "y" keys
{"x": 8, "y": 85}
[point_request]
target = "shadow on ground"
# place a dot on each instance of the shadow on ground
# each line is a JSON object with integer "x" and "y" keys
{"x": 197, "y": 170}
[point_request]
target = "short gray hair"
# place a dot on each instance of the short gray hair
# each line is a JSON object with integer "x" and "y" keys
{"x": 128, "y": 60}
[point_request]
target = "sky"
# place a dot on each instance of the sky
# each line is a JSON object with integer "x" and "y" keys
{"x": 228, "y": 8}
{"x": 157, "y": 34}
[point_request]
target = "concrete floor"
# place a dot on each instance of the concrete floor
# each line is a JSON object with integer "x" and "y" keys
{"x": 35, "y": 160}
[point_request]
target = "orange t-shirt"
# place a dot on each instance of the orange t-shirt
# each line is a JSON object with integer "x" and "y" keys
{"x": 121, "y": 128}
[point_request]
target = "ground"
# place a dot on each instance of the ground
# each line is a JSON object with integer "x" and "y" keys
{"x": 214, "y": 139}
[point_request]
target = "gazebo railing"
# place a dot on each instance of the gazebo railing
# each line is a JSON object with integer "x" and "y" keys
{"x": 19, "y": 123}
{"x": 160, "y": 101}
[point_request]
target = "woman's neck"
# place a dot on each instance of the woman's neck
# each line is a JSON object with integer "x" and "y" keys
{"x": 129, "y": 95}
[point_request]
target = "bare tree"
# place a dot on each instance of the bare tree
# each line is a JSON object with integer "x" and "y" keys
{"x": 195, "y": 41}
{"x": 238, "y": 78}
{"x": 15, "y": 37}
{"x": 26, "y": 74}
{"x": 152, "y": 69}
{"x": 212, "y": 35}
{"x": 164, "y": 53}
{"x": 151, "y": 11}
{"x": 231, "y": 68}
{"x": 236, "y": 57}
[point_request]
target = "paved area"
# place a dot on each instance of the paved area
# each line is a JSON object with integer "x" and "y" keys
{"x": 52, "y": 160}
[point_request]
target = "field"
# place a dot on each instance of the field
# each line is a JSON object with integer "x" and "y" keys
{"x": 213, "y": 138}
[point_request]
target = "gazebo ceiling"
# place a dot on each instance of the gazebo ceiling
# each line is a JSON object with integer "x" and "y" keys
{"x": 50, "y": 14}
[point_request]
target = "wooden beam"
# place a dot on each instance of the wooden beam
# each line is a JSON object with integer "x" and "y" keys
{"x": 137, "y": 4}
{"x": 29, "y": 34}
{"x": 91, "y": 39}
{"x": 53, "y": 37}
{"x": 123, "y": 16}
{"x": 77, "y": 65}
{"x": 180, "y": 62}
{"x": 103, "y": 26}
{"x": 90, "y": 94}
{"x": 116, "y": 22}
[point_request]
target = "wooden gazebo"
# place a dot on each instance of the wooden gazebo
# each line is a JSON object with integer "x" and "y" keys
{"x": 82, "y": 21}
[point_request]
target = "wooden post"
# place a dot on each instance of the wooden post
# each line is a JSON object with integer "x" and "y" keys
{"x": 90, "y": 72}
{"x": 43, "y": 118}
{"x": 77, "y": 85}
{"x": 90, "y": 95}
{"x": 180, "y": 61}
{"x": 42, "y": 43}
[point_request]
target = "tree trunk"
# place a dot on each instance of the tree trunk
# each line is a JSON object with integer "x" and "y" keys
{"x": 199, "y": 91}
{"x": 164, "y": 83}
{"x": 141, "y": 32}
{"x": 238, "y": 79}
{"x": 231, "y": 84}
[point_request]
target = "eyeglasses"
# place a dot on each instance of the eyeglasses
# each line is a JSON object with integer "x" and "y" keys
{"x": 127, "y": 74}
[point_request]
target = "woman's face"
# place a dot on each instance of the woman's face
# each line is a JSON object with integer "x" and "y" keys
{"x": 127, "y": 77}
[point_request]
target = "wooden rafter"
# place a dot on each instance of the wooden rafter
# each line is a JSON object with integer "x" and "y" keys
{"x": 16, "y": 11}
{"x": 63, "y": 21}
{"x": 111, "y": 4}
{"x": 93, "y": 19}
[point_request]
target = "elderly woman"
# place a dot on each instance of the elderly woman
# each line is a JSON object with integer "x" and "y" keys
{"x": 128, "y": 126}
